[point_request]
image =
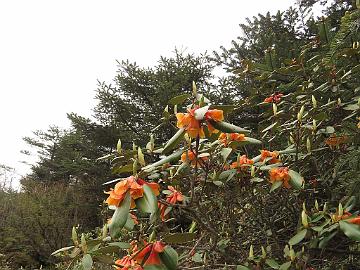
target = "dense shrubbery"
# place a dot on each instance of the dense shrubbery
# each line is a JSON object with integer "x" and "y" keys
{"x": 214, "y": 196}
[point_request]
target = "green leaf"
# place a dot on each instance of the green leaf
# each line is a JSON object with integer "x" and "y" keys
{"x": 297, "y": 238}
{"x": 241, "y": 267}
{"x": 118, "y": 146}
{"x": 179, "y": 238}
{"x": 169, "y": 258}
{"x": 350, "y": 230}
{"x": 227, "y": 127}
{"x": 122, "y": 169}
{"x": 225, "y": 152}
{"x": 197, "y": 257}
{"x": 174, "y": 141}
{"x": 62, "y": 250}
{"x": 227, "y": 174}
{"x": 106, "y": 259}
{"x": 122, "y": 245}
{"x": 276, "y": 185}
{"x": 351, "y": 107}
{"x": 252, "y": 140}
{"x": 323, "y": 243}
{"x": 120, "y": 216}
{"x": 148, "y": 203}
{"x": 269, "y": 127}
{"x": 178, "y": 99}
{"x": 129, "y": 225}
{"x": 224, "y": 108}
{"x": 296, "y": 180}
{"x": 174, "y": 156}
{"x": 272, "y": 263}
{"x": 154, "y": 267}
{"x": 87, "y": 262}
{"x": 285, "y": 266}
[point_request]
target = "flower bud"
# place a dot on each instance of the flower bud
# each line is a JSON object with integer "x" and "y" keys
{"x": 274, "y": 108}
{"x": 308, "y": 145}
{"x": 304, "y": 219}
{"x": 300, "y": 113}
{"x": 74, "y": 236}
{"x": 316, "y": 205}
{"x": 251, "y": 252}
{"x": 314, "y": 102}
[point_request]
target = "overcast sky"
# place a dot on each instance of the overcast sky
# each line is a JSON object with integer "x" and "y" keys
{"x": 53, "y": 52}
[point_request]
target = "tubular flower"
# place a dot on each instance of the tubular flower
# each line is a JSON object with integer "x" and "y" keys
{"x": 150, "y": 254}
{"x": 193, "y": 126}
{"x": 135, "y": 186}
{"x": 127, "y": 263}
{"x": 334, "y": 141}
{"x": 226, "y": 138}
{"x": 274, "y": 98}
{"x": 191, "y": 157}
{"x": 267, "y": 154}
{"x": 172, "y": 198}
{"x": 355, "y": 220}
{"x": 242, "y": 164}
{"x": 280, "y": 174}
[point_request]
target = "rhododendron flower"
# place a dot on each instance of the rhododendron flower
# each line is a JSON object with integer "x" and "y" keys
{"x": 274, "y": 98}
{"x": 355, "y": 220}
{"x": 172, "y": 198}
{"x": 150, "y": 254}
{"x": 267, "y": 154}
{"x": 127, "y": 263}
{"x": 334, "y": 141}
{"x": 226, "y": 138}
{"x": 242, "y": 164}
{"x": 191, "y": 157}
{"x": 135, "y": 186}
{"x": 193, "y": 126}
{"x": 280, "y": 174}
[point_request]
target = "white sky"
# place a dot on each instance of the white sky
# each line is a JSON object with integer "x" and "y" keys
{"x": 53, "y": 52}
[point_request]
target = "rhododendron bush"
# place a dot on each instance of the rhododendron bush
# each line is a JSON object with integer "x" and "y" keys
{"x": 221, "y": 196}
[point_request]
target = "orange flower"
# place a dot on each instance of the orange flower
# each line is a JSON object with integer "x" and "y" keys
{"x": 127, "y": 263}
{"x": 334, "y": 141}
{"x": 135, "y": 186}
{"x": 190, "y": 156}
{"x": 266, "y": 154}
{"x": 193, "y": 126}
{"x": 274, "y": 98}
{"x": 242, "y": 164}
{"x": 150, "y": 254}
{"x": 355, "y": 220}
{"x": 226, "y": 138}
{"x": 280, "y": 174}
{"x": 172, "y": 198}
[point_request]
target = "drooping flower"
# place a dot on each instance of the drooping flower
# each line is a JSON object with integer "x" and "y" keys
{"x": 280, "y": 174}
{"x": 268, "y": 154}
{"x": 226, "y": 138}
{"x": 242, "y": 163}
{"x": 127, "y": 263}
{"x": 134, "y": 186}
{"x": 334, "y": 141}
{"x": 172, "y": 198}
{"x": 274, "y": 98}
{"x": 190, "y": 156}
{"x": 149, "y": 255}
{"x": 194, "y": 126}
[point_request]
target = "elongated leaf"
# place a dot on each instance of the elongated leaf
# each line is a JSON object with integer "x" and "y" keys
{"x": 296, "y": 180}
{"x": 122, "y": 169}
{"x": 272, "y": 263}
{"x": 225, "y": 152}
{"x": 269, "y": 127}
{"x": 154, "y": 267}
{"x": 350, "y": 230}
{"x": 241, "y": 267}
{"x": 224, "y": 108}
{"x": 62, "y": 250}
{"x": 323, "y": 243}
{"x": 87, "y": 262}
{"x": 147, "y": 203}
{"x": 252, "y": 140}
{"x": 169, "y": 258}
{"x": 297, "y": 238}
{"x": 276, "y": 185}
{"x": 178, "y": 99}
{"x": 228, "y": 128}
{"x": 129, "y": 225}
{"x": 174, "y": 141}
{"x": 285, "y": 266}
{"x": 122, "y": 245}
{"x": 170, "y": 158}
{"x": 179, "y": 238}
{"x": 120, "y": 216}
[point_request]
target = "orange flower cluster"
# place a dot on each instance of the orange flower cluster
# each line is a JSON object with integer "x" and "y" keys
{"x": 267, "y": 154}
{"x": 134, "y": 186}
{"x": 127, "y": 263}
{"x": 190, "y": 156}
{"x": 193, "y": 126}
{"x": 172, "y": 198}
{"x": 334, "y": 141}
{"x": 274, "y": 98}
{"x": 226, "y": 138}
{"x": 280, "y": 174}
{"x": 345, "y": 216}
{"x": 242, "y": 164}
